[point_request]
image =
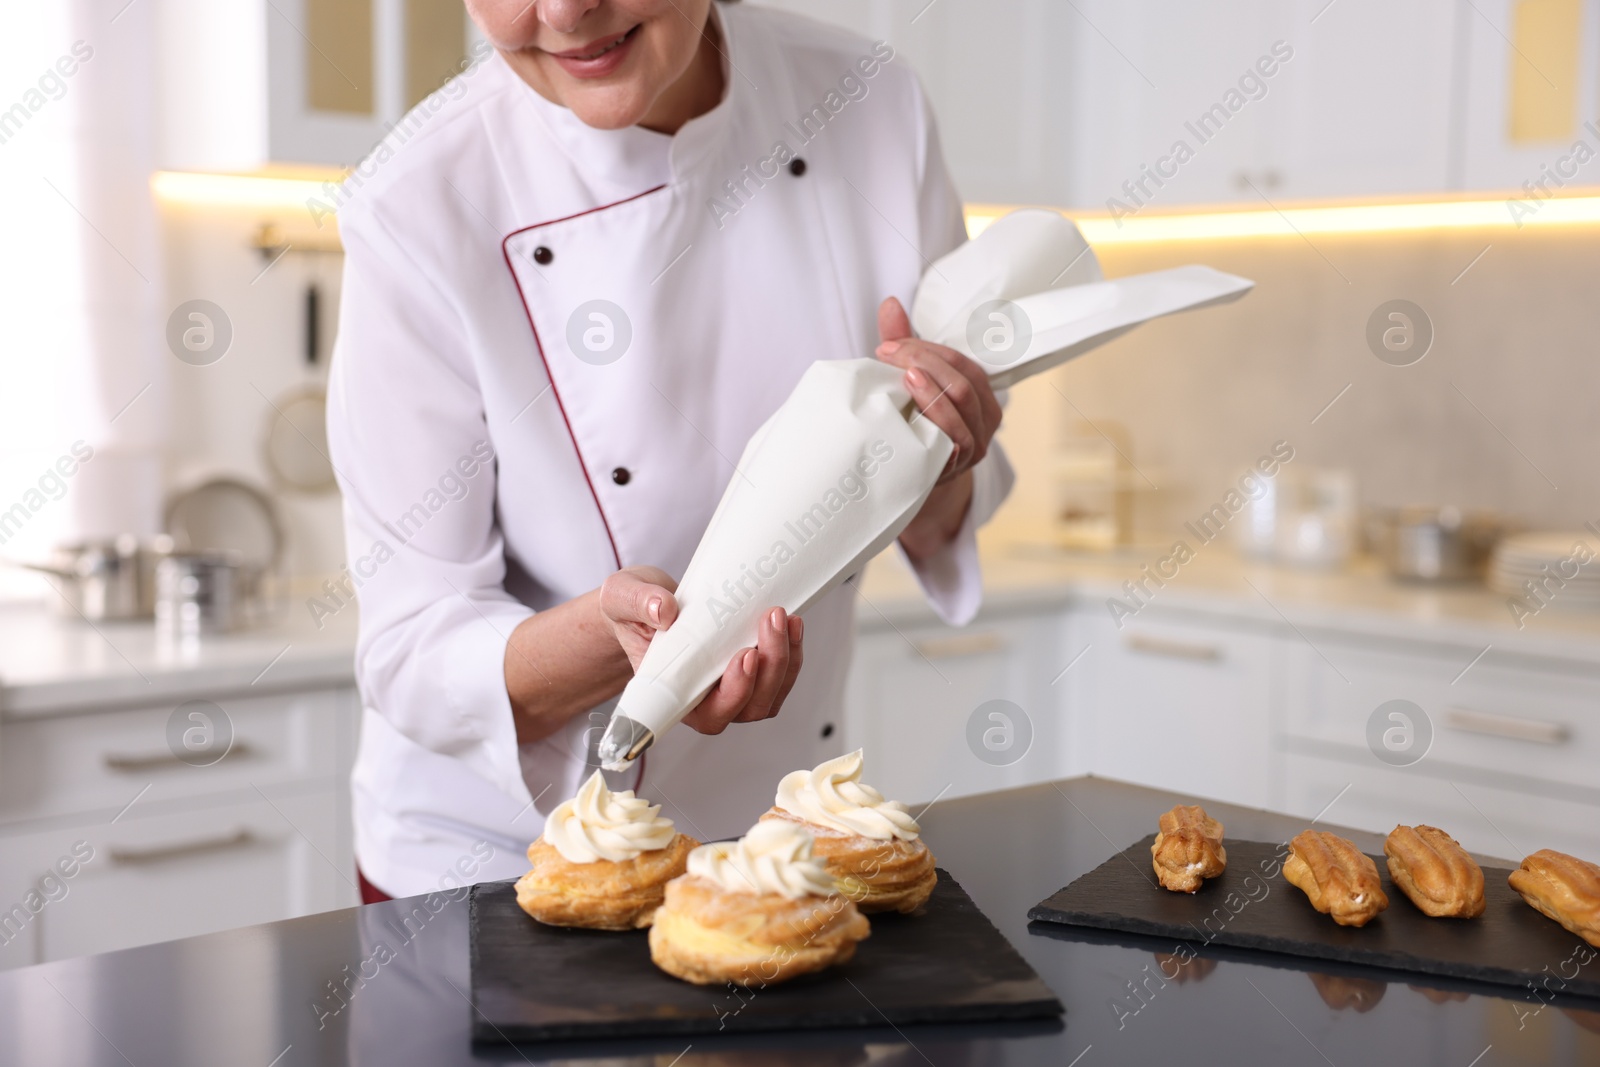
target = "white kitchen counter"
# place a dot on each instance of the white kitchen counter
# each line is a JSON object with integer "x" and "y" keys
{"x": 50, "y": 664}
{"x": 1217, "y": 582}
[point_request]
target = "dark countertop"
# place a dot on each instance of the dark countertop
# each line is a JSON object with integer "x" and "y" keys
{"x": 263, "y": 995}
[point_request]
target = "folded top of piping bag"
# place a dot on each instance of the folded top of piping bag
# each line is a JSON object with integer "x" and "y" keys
{"x": 845, "y": 463}
{"x": 1027, "y": 295}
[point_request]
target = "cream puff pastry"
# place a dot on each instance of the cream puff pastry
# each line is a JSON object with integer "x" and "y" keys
{"x": 603, "y": 861}
{"x": 1563, "y": 888}
{"x": 1187, "y": 849}
{"x": 870, "y": 845}
{"x": 1339, "y": 879}
{"x": 1432, "y": 869}
{"x": 754, "y": 912}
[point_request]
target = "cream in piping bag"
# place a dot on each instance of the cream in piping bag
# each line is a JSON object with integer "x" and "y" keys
{"x": 845, "y": 464}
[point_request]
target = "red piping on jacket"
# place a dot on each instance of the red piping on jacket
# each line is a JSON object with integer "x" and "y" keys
{"x": 583, "y": 464}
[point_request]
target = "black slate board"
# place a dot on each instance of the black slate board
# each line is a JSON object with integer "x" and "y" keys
{"x": 1251, "y": 905}
{"x": 1307, "y": 965}
{"x": 948, "y": 963}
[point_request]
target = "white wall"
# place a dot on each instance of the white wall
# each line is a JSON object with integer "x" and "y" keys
{"x": 221, "y": 412}
{"x": 1206, "y": 393}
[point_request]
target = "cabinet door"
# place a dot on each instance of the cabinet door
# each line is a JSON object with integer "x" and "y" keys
{"x": 1520, "y": 723}
{"x": 1177, "y": 703}
{"x": 999, "y": 78}
{"x": 920, "y": 700}
{"x": 1531, "y": 84}
{"x": 247, "y": 84}
{"x": 177, "y": 875}
{"x": 329, "y": 79}
{"x": 1364, "y": 107}
{"x": 72, "y": 764}
{"x": 1148, "y": 73}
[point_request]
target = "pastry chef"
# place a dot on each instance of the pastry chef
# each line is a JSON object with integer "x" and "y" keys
{"x": 577, "y": 279}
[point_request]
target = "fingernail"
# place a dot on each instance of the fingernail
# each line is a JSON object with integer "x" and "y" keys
{"x": 777, "y": 618}
{"x": 915, "y": 378}
{"x": 749, "y": 663}
{"x": 653, "y": 609}
{"x": 888, "y": 348}
{"x": 797, "y": 629}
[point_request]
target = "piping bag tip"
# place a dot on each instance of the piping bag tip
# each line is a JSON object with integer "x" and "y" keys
{"x": 623, "y": 742}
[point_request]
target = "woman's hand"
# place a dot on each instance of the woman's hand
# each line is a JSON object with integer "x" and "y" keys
{"x": 637, "y": 603}
{"x": 950, "y": 390}
{"x": 954, "y": 394}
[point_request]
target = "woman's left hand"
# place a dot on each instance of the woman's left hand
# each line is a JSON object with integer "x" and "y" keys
{"x": 954, "y": 394}
{"x": 950, "y": 390}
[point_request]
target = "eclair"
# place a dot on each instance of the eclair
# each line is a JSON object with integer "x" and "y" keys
{"x": 871, "y": 846}
{"x": 603, "y": 861}
{"x": 1187, "y": 849}
{"x": 1339, "y": 879}
{"x": 1434, "y": 872}
{"x": 1563, "y": 888}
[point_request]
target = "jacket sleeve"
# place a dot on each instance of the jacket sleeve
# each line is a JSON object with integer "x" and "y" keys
{"x": 411, "y": 449}
{"x": 951, "y": 579}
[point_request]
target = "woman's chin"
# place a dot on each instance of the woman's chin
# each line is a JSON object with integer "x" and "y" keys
{"x": 609, "y": 108}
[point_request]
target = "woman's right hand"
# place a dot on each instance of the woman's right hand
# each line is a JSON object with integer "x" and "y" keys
{"x": 638, "y": 602}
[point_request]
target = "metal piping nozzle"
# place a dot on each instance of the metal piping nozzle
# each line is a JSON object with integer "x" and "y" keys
{"x": 623, "y": 742}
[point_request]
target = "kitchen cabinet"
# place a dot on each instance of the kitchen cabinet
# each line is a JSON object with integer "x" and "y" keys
{"x": 176, "y": 848}
{"x": 1369, "y": 104}
{"x": 1178, "y": 701}
{"x": 995, "y": 77}
{"x": 1488, "y": 820}
{"x": 1533, "y": 85}
{"x": 256, "y": 83}
{"x": 1529, "y": 723}
{"x": 65, "y": 765}
{"x": 1504, "y": 751}
{"x": 1252, "y": 101}
{"x": 1224, "y": 701}
{"x": 1086, "y": 105}
{"x": 178, "y": 874}
{"x": 1146, "y": 78}
{"x": 945, "y": 712}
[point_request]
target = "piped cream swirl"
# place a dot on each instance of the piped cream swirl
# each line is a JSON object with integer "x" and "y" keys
{"x": 598, "y": 824}
{"x": 833, "y": 795}
{"x": 774, "y": 857}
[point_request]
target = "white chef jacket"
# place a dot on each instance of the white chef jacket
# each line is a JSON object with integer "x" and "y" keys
{"x": 475, "y": 240}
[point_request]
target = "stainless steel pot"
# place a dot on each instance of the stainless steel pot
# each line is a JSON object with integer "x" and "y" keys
{"x": 106, "y": 579}
{"x": 1436, "y": 544}
{"x": 201, "y": 593}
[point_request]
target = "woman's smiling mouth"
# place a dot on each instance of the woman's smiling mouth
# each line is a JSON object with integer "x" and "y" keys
{"x": 598, "y": 58}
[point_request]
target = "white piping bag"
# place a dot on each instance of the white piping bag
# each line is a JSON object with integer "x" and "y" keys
{"x": 842, "y": 467}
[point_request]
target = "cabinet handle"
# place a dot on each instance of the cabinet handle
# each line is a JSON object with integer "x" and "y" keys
{"x": 136, "y": 857}
{"x": 959, "y": 645}
{"x": 1156, "y": 646}
{"x": 139, "y": 763}
{"x": 1479, "y": 722}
